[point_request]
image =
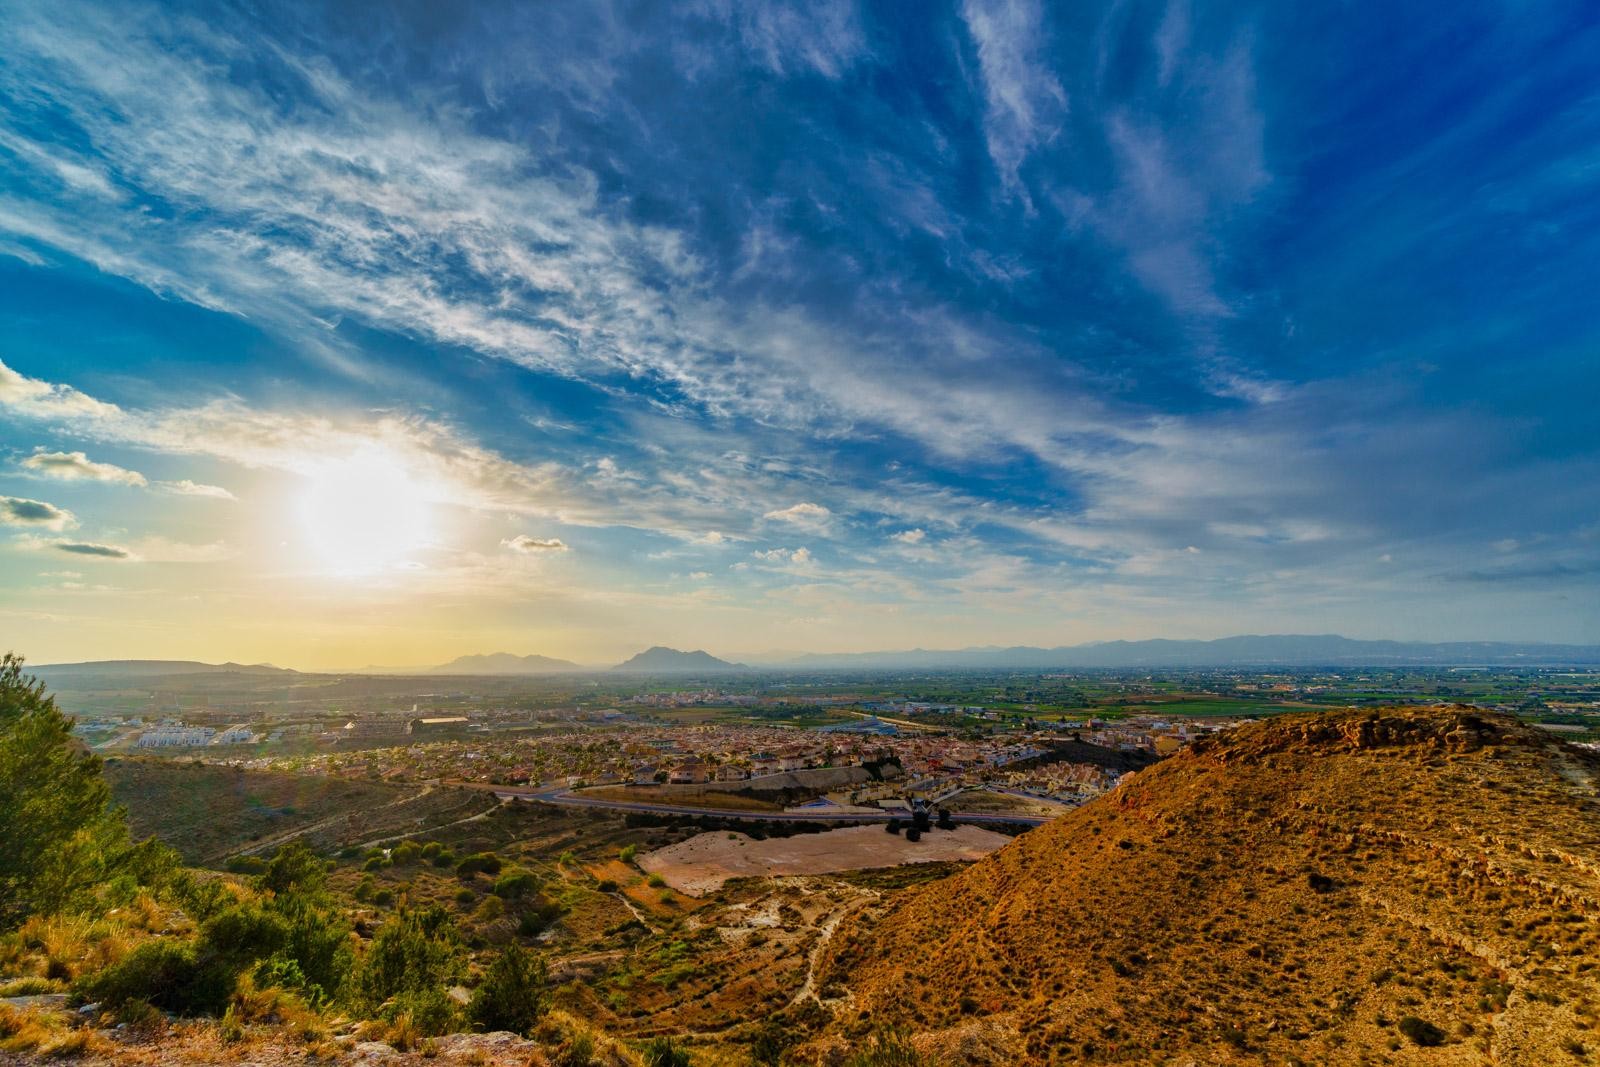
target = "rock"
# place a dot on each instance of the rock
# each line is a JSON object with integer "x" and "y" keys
{"x": 38, "y": 1002}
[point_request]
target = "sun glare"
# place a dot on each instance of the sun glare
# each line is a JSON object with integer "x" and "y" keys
{"x": 363, "y": 513}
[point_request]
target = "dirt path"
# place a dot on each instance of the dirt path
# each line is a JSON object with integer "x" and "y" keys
{"x": 825, "y": 932}
{"x": 284, "y": 838}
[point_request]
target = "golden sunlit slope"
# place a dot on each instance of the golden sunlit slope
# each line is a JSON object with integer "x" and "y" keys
{"x": 1417, "y": 885}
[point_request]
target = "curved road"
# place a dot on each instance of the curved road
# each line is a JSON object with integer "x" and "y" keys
{"x": 562, "y": 797}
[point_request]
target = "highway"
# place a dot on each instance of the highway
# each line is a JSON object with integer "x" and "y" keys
{"x": 561, "y": 797}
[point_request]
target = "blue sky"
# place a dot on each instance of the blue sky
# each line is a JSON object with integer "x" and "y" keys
{"x": 335, "y": 336}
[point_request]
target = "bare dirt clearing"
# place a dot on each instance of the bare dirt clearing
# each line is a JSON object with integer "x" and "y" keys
{"x": 704, "y": 862}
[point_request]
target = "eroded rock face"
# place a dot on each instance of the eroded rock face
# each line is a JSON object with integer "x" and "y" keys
{"x": 1444, "y": 729}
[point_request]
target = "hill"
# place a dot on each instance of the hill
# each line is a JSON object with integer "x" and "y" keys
{"x": 667, "y": 660}
{"x": 1406, "y": 886}
{"x": 504, "y": 663}
{"x": 64, "y": 674}
{"x": 1245, "y": 650}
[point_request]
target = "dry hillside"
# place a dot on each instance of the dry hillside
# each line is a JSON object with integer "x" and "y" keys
{"x": 1413, "y": 886}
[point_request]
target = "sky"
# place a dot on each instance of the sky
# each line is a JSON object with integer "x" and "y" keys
{"x": 347, "y": 334}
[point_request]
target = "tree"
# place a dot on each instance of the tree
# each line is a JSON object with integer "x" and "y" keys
{"x": 63, "y": 837}
{"x": 512, "y": 996}
{"x": 417, "y": 951}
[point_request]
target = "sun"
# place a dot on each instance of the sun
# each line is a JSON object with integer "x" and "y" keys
{"x": 363, "y": 513}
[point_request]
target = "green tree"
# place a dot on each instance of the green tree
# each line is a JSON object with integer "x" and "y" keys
{"x": 63, "y": 837}
{"x": 417, "y": 951}
{"x": 512, "y": 996}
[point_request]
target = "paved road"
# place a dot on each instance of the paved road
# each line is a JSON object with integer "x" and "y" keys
{"x": 567, "y": 799}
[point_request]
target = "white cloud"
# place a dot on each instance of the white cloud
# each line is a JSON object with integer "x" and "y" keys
{"x": 185, "y": 487}
{"x": 20, "y": 511}
{"x": 534, "y": 546}
{"x": 1025, "y": 102}
{"x": 31, "y": 397}
{"x": 909, "y": 537}
{"x": 804, "y": 514}
{"x": 76, "y": 466}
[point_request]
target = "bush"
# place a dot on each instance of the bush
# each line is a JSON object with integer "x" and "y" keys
{"x": 484, "y": 862}
{"x": 513, "y": 994}
{"x": 414, "y": 952}
{"x": 465, "y": 896}
{"x": 627, "y": 852}
{"x": 606, "y": 885}
{"x": 663, "y": 1053}
{"x": 166, "y": 974}
{"x": 444, "y": 858}
{"x": 406, "y": 853}
{"x": 251, "y": 865}
{"x": 243, "y": 934}
{"x": 295, "y": 869}
{"x": 515, "y": 884}
{"x": 1421, "y": 1032}
{"x": 428, "y": 1012}
{"x": 886, "y": 1048}
{"x": 431, "y": 850}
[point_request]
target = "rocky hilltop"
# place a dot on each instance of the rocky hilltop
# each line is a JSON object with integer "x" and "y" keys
{"x": 1417, "y": 885}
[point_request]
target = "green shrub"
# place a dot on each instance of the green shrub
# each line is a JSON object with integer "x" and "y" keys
{"x": 242, "y": 934}
{"x": 444, "y": 858}
{"x": 383, "y": 898}
{"x": 406, "y": 853}
{"x": 364, "y": 889}
{"x": 251, "y": 865}
{"x": 513, "y": 994}
{"x": 167, "y": 974}
{"x": 514, "y": 885}
{"x": 414, "y": 952}
{"x": 431, "y": 1012}
{"x": 663, "y": 1053}
{"x": 465, "y": 896}
{"x": 655, "y": 881}
{"x": 480, "y": 862}
{"x": 295, "y": 869}
{"x": 376, "y": 863}
{"x": 606, "y": 885}
{"x": 431, "y": 850}
{"x": 627, "y": 852}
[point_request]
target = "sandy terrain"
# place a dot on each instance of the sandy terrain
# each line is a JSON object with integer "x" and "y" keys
{"x": 702, "y": 863}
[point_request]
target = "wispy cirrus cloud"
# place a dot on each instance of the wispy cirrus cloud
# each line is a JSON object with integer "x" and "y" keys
{"x": 1025, "y": 103}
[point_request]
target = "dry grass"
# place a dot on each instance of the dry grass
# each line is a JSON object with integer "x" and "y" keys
{"x": 1289, "y": 892}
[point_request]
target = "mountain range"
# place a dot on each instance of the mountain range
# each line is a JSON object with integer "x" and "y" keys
{"x": 504, "y": 663}
{"x": 1251, "y": 650}
{"x": 670, "y": 660}
{"x": 1307, "y": 650}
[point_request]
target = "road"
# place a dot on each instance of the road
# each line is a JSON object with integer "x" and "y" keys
{"x": 562, "y": 797}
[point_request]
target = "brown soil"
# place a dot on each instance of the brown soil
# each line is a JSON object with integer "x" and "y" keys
{"x": 704, "y": 862}
{"x": 1410, "y": 886}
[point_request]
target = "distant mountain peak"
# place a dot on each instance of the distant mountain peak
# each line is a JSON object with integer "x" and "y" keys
{"x": 662, "y": 658}
{"x": 504, "y": 663}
